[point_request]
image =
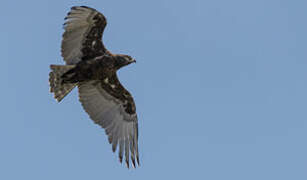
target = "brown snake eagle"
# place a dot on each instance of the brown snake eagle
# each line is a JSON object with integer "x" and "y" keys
{"x": 92, "y": 68}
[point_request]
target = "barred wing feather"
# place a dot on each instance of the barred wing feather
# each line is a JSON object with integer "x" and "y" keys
{"x": 82, "y": 39}
{"x": 109, "y": 112}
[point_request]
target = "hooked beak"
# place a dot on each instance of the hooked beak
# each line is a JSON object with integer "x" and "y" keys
{"x": 134, "y": 61}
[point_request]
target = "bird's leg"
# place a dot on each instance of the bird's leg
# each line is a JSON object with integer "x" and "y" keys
{"x": 70, "y": 76}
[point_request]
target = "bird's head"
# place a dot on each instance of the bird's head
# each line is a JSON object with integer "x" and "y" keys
{"x": 123, "y": 60}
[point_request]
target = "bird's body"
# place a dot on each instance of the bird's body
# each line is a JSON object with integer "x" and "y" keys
{"x": 92, "y": 68}
{"x": 98, "y": 68}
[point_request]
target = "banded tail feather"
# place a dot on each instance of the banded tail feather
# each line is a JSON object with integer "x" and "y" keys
{"x": 57, "y": 86}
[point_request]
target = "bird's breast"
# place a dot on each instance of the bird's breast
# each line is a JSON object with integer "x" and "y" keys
{"x": 94, "y": 70}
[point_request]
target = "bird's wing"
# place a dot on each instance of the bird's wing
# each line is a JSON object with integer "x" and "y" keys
{"x": 82, "y": 38}
{"x": 112, "y": 107}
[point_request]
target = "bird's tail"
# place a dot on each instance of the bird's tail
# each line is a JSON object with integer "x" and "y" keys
{"x": 57, "y": 86}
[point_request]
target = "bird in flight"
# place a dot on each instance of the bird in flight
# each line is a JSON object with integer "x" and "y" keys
{"x": 92, "y": 68}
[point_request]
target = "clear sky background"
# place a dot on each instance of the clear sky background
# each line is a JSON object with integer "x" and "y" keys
{"x": 220, "y": 88}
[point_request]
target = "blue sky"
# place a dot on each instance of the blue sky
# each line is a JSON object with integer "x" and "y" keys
{"x": 220, "y": 88}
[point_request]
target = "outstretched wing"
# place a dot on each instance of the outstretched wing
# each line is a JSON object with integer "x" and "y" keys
{"x": 82, "y": 38}
{"x": 112, "y": 107}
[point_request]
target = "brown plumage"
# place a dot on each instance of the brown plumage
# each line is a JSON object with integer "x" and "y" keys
{"x": 92, "y": 68}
